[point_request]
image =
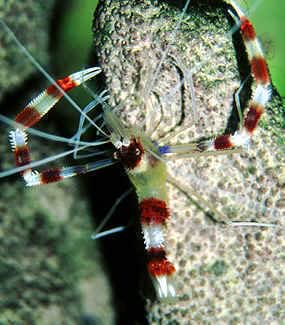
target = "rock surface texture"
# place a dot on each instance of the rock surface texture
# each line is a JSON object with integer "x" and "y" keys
{"x": 29, "y": 20}
{"x": 150, "y": 55}
{"x": 50, "y": 270}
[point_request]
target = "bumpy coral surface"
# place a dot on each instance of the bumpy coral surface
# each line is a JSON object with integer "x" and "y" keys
{"x": 150, "y": 55}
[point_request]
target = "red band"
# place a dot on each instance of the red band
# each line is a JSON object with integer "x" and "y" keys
{"x": 22, "y": 156}
{"x": 158, "y": 263}
{"x": 223, "y": 142}
{"x": 153, "y": 210}
{"x": 247, "y": 29}
{"x": 253, "y": 116}
{"x": 28, "y": 116}
{"x": 50, "y": 176}
{"x": 65, "y": 84}
{"x": 259, "y": 70}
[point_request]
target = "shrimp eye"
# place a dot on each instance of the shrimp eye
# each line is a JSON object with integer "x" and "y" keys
{"x": 130, "y": 153}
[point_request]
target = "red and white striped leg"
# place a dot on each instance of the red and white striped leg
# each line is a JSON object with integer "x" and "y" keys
{"x": 154, "y": 214}
{"x": 36, "y": 109}
{"x": 19, "y": 145}
{"x": 224, "y": 143}
{"x": 260, "y": 98}
{"x": 18, "y": 140}
{"x": 261, "y": 93}
{"x": 56, "y": 174}
{"x": 40, "y": 105}
{"x": 259, "y": 71}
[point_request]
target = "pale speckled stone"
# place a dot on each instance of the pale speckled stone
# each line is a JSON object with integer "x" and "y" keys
{"x": 225, "y": 275}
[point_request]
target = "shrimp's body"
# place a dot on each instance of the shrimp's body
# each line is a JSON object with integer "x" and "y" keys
{"x": 148, "y": 174}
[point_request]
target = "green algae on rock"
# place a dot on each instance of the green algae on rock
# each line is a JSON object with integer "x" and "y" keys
{"x": 50, "y": 270}
{"x": 29, "y": 20}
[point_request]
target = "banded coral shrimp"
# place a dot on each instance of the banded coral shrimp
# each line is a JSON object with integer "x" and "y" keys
{"x": 181, "y": 210}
